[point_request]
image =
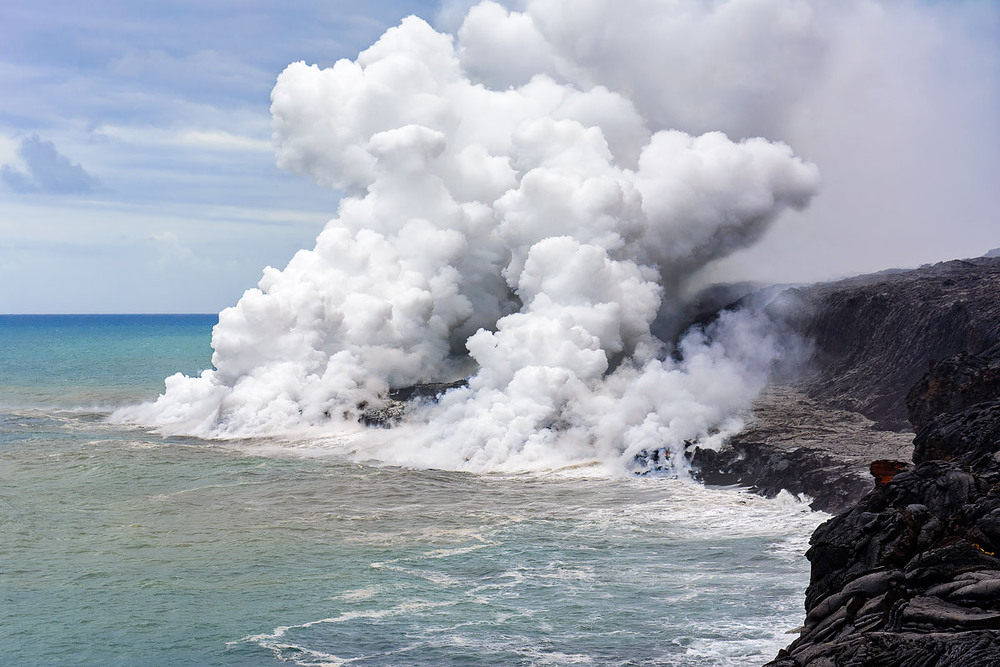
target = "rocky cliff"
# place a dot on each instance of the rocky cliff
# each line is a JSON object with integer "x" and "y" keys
{"x": 873, "y": 337}
{"x": 910, "y": 574}
{"x": 876, "y": 335}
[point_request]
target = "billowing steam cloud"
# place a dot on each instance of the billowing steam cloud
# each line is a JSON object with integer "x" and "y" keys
{"x": 507, "y": 220}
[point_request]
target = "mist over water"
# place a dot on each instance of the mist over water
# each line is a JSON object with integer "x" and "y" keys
{"x": 534, "y": 190}
{"x": 125, "y": 547}
{"x": 509, "y": 220}
{"x": 530, "y": 199}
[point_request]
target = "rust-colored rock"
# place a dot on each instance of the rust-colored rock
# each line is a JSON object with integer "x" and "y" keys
{"x": 884, "y": 470}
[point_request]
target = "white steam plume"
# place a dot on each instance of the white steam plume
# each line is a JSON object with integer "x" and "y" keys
{"x": 507, "y": 220}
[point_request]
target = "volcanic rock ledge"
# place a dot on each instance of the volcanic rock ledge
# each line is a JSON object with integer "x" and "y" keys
{"x": 910, "y": 575}
{"x": 390, "y": 412}
{"x": 794, "y": 443}
{"x": 875, "y": 335}
{"x": 872, "y": 338}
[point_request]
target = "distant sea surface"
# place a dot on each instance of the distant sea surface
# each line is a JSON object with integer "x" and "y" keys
{"x": 122, "y": 547}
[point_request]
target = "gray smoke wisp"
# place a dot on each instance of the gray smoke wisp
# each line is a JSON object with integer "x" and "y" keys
{"x": 509, "y": 220}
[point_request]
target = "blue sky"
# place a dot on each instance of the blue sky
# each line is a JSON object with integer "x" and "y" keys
{"x": 137, "y": 173}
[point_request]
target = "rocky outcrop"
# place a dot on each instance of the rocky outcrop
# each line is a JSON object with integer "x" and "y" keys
{"x": 872, "y": 338}
{"x": 970, "y": 436}
{"x": 392, "y": 408}
{"x": 768, "y": 470}
{"x": 910, "y": 574}
{"x": 791, "y": 442}
{"x": 954, "y": 384}
{"x": 875, "y": 336}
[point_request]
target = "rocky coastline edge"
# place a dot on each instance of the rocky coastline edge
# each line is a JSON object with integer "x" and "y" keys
{"x": 907, "y": 572}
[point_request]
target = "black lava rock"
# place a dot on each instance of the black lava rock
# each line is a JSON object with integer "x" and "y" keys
{"x": 875, "y": 336}
{"x": 910, "y": 574}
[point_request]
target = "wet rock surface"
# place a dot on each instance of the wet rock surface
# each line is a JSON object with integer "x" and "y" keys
{"x": 910, "y": 575}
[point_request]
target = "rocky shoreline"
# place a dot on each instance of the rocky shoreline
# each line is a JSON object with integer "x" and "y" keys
{"x": 873, "y": 338}
{"x": 910, "y": 575}
{"x": 907, "y": 572}
{"x": 794, "y": 443}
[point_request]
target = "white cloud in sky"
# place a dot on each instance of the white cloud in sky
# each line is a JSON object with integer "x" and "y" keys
{"x": 204, "y": 70}
{"x": 94, "y": 256}
{"x": 8, "y": 149}
{"x": 157, "y": 138}
{"x": 220, "y": 139}
{"x": 174, "y": 255}
{"x": 168, "y": 104}
{"x": 895, "y": 101}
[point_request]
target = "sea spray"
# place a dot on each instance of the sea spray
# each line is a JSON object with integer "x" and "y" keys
{"x": 528, "y": 234}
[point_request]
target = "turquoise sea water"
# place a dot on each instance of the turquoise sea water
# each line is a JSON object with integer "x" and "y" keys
{"x": 120, "y": 547}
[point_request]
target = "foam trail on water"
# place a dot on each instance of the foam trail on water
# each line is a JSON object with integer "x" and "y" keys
{"x": 526, "y": 232}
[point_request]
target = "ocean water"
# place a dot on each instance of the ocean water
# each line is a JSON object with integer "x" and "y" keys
{"x": 122, "y": 547}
